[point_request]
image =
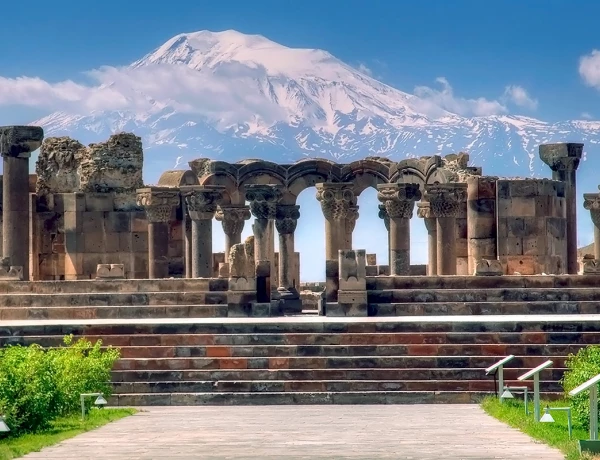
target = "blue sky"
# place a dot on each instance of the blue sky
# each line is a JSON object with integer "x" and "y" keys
{"x": 477, "y": 48}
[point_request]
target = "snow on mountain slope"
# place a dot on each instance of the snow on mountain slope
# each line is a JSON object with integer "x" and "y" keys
{"x": 234, "y": 96}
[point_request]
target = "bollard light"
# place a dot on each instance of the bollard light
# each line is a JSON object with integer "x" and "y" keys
{"x": 4, "y": 428}
{"x": 100, "y": 402}
{"x": 506, "y": 394}
{"x": 498, "y": 370}
{"x": 535, "y": 373}
{"x": 547, "y": 417}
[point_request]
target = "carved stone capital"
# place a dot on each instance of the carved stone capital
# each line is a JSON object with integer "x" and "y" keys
{"x": 445, "y": 200}
{"x": 263, "y": 200}
{"x": 591, "y": 202}
{"x": 201, "y": 201}
{"x": 158, "y": 202}
{"x": 385, "y": 216}
{"x": 399, "y": 199}
{"x": 424, "y": 210}
{"x": 232, "y": 218}
{"x": 286, "y": 218}
{"x": 335, "y": 199}
{"x": 20, "y": 141}
{"x": 561, "y": 157}
{"x": 352, "y": 216}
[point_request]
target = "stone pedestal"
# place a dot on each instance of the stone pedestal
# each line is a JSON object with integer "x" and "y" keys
{"x": 424, "y": 211}
{"x": 445, "y": 201}
{"x": 481, "y": 219}
{"x": 16, "y": 145}
{"x": 564, "y": 160}
{"x": 263, "y": 204}
{"x": 336, "y": 198}
{"x": 399, "y": 201}
{"x": 352, "y": 295}
{"x": 232, "y": 218}
{"x": 591, "y": 202}
{"x": 286, "y": 220}
{"x": 158, "y": 203}
{"x": 201, "y": 204}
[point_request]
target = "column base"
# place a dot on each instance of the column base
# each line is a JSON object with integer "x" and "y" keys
{"x": 288, "y": 301}
{"x": 350, "y": 303}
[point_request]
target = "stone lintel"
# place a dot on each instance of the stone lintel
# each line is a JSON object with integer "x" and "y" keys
{"x": 20, "y": 141}
{"x": 562, "y": 156}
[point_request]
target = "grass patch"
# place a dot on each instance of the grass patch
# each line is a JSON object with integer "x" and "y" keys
{"x": 60, "y": 429}
{"x": 512, "y": 412}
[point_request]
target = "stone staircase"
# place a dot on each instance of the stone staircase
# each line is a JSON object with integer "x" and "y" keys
{"x": 448, "y": 330}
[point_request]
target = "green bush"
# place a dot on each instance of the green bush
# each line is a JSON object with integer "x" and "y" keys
{"x": 580, "y": 368}
{"x": 38, "y": 385}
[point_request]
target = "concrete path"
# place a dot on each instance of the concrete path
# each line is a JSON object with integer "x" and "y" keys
{"x": 414, "y": 432}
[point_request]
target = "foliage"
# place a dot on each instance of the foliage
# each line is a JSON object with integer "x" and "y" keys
{"x": 38, "y": 385}
{"x": 58, "y": 430}
{"x": 580, "y": 368}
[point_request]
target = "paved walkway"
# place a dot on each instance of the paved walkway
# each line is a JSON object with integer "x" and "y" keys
{"x": 414, "y": 432}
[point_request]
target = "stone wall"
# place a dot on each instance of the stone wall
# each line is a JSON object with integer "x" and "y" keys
{"x": 531, "y": 226}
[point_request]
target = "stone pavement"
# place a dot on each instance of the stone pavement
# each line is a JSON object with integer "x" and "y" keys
{"x": 414, "y": 432}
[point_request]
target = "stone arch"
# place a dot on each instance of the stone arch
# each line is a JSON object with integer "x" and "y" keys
{"x": 422, "y": 171}
{"x": 366, "y": 173}
{"x": 210, "y": 172}
{"x": 307, "y": 173}
{"x": 177, "y": 178}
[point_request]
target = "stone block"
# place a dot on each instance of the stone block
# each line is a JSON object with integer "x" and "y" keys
{"x": 90, "y": 263}
{"x": 524, "y": 188}
{"x": 223, "y": 271}
{"x": 488, "y": 267}
{"x": 72, "y": 222}
{"x": 590, "y": 267}
{"x": 352, "y": 270}
{"x": 371, "y": 259}
{"x": 110, "y": 271}
{"x": 139, "y": 222}
{"x": 534, "y": 246}
{"x": 10, "y": 272}
{"x": 93, "y": 242}
{"x": 125, "y": 242}
{"x": 523, "y": 206}
{"x": 99, "y": 202}
{"x": 93, "y": 222}
{"x": 383, "y": 270}
{"x": 372, "y": 270}
{"x": 242, "y": 284}
{"x": 65, "y": 202}
{"x": 139, "y": 242}
{"x": 118, "y": 221}
{"x": 523, "y": 265}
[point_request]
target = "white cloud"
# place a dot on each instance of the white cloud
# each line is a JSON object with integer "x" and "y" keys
{"x": 444, "y": 98}
{"x": 589, "y": 69}
{"x": 586, "y": 116}
{"x": 519, "y": 96}
{"x": 362, "y": 67}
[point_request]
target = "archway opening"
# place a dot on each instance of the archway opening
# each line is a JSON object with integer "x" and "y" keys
{"x": 370, "y": 233}
{"x": 310, "y": 238}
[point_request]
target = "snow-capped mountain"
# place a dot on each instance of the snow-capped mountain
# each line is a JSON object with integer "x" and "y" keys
{"x": 231, "y": 96}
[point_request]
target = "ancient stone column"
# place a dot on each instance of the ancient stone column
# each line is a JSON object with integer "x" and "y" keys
{"x": 591, "y": 202}
{"x": 187, "y": 228}
{"x": 232, "y": 217}
{"x": 336, "y": 198}
{"x": 424, "y": 211}
{"x": 286, "y": 219}
{"x": 353, "y": 215}
{"x": 158, "y": 203}
{"x": 386, "y": 221}
{"x": 481, "y": 219}
{"x": 399, "y": 201}
{"x": 564, "y": 160}
{"x": 263, "y": 205}
{"x": 445, "y": 201}
{"x": 16, "y": 145}
{"x": 201, "y": 204}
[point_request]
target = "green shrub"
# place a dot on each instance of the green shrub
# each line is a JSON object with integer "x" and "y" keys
{"x": 580, "y": 368}
{"x": 38, "y": 385}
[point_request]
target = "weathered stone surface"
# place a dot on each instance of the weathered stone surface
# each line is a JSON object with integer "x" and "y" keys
{"x": 241, "y": 259}
{"x": 590, "y": 267}
{"x": 20, "y": 141}
{"x": 110, "y": 271}
{"x": 488, "y": 267}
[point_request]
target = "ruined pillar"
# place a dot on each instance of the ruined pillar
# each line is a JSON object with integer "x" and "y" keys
{"x": 445, "y": 201}
{"x": 424, "y": 211}
{"x": 386, "y": 221}
{"x": 591, "y": 202}
{"x": 336, "y": 199}
{"x": 16, "y": 145}
{"x": 232, "y": 218}
{"x": 286, "y": 219}
{"x": 351, "y": 219}
{"x": 187, "y": 236}
{"x": 564, "y": 160}
{"x": 399, "y": 201}
{"x": 263, "y": 205}
{"x": 158, "y": 203}
{"x": 201, "y": 204}
{"x": 481, "y": 219}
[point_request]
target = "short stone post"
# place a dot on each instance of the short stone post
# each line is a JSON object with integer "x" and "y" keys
{"x": 232, "y": 218}
{"x": 286, "y": 219}
{"x": 591, "y": 202}
{"x": 158, "y": 203}
{"x": 263, "y": 204}
{"x": 201, "y": 204}
{"x": 399, "y": 201}
{"x": 16, "y": 145}
{"x": 352, "y": 295}
{"x": 564, "y": 160}
{"x": 445, "y": 201}
{"x": 336, "y": 198}
{"x": 481, "y": 219}
{"x": 424, "y": 211}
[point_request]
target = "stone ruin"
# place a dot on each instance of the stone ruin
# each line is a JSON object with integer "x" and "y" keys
{"x": 88, "y": 206}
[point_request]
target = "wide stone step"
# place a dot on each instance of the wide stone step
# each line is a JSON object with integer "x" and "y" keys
{"x": 484, "y": 295}
{"x": 118, "y": 299}
{"x": 122, "y": 286}
{"x": 484, "y": 308}
{"x": 551, "y": 374}
{"x": 284, "y": 398}
{"x": 114, "y": 312}
{"x": 314, "y": 386}
{"x": 320, "y": 362}
{"x": 482, "y": 282}
{"x": 270, "y": 351}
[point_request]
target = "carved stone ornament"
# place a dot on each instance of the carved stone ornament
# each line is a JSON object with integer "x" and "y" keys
{"x": 201, "y": 202}
{"x": 158, "y": 202}
{"x": 385, "y": 216}
{"x": 399, "y": 199}
{"x": 335, "y": 199}
{"x": 286, "y": 218}
{"x": 591, "y": 202}
{"x": 352, "y": 216}
{"x": 232, "y": 218}
{"x": 561, "y": 157}
{"x": 445, "y": 200}
{"x": 20, "y": 141}
{"x": 263, "y": 200}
